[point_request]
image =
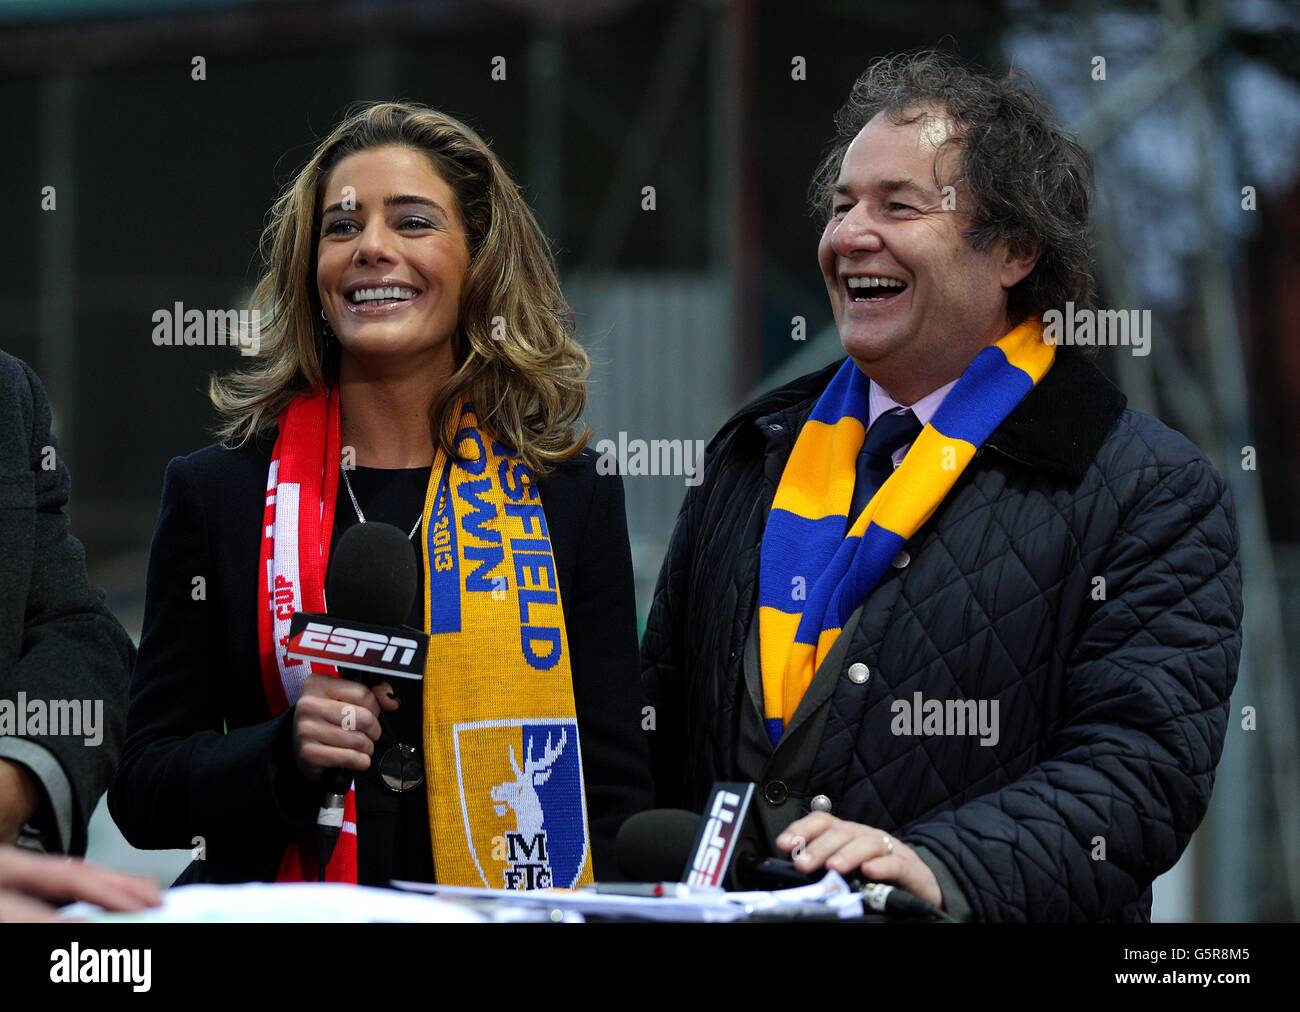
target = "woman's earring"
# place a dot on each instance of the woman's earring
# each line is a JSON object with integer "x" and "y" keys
{"x": 329, "y": 334}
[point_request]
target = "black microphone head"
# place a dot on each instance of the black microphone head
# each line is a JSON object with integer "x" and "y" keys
{"x": 371, "y": 575}
{"x": 655, "y": 846}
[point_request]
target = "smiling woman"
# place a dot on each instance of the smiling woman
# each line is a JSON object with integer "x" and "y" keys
{"x": 420, "y": 370}
{"x": 425, "y": 187}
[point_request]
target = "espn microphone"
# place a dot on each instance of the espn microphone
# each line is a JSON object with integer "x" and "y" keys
{"x": 723, "y": 850}
{"x": 369, "y": 590}
{"x": 726, "y": 847}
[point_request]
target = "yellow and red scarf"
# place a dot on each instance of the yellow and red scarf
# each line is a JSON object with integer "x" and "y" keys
{"x": 503, "y": 770}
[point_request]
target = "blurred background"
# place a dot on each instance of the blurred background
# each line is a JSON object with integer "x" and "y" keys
{"x": 163, "y": 183}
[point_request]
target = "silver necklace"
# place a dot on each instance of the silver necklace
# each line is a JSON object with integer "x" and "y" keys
{"x": 361, "y": 517}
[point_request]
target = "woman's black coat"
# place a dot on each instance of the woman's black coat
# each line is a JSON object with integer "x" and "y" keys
{"x": 207, "y": 768}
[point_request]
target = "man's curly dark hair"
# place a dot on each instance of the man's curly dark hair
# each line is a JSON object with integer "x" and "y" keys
{"x": 1031, "y": 180}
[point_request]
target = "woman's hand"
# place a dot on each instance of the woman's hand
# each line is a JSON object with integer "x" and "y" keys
{"x": 336, "y": 724}
{"x": 821, "y": 840}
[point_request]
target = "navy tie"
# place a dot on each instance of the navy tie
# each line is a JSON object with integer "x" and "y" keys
{"x": 887, "y": 435}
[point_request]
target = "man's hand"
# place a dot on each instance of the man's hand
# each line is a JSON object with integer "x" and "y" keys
{"x": 29, "y": 881}
{"x": 821, "y": 840}
{"x": 20, "y": 796}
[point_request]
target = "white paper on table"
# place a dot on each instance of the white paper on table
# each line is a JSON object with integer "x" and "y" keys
{"x": 832, "y": 890}
{"x": 702, "y": 905}
{"x": 290, "y": 902}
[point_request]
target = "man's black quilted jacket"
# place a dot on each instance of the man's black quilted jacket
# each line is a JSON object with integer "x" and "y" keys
{"x": 1083, "y": 572}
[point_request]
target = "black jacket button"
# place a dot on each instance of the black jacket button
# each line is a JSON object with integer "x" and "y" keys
{"x": 775, "y": 792}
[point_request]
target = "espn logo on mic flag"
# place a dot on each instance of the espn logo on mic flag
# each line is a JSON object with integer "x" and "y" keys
{"x": 719, "y": 833}
{"x": 378, "y": 649}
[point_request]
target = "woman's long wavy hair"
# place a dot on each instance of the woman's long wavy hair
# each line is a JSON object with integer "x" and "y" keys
{"x": 515, "y": 356}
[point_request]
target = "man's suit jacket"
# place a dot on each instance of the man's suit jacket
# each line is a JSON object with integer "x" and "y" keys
{"x": 57, "y": 639}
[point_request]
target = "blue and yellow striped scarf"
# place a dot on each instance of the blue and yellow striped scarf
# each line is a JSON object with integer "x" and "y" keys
{"x": 812, "y": 574}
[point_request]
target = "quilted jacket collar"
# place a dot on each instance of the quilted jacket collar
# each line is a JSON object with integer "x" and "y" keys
{"x": 1059, "y": 426}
